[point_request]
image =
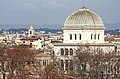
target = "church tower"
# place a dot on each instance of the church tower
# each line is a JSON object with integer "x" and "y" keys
{"x": 31, "y": 31}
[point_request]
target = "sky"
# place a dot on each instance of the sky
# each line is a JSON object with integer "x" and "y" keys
{"x": 54, "y": 11}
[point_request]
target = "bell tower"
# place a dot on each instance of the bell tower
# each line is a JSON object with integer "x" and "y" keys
{"x": 31, "y": 31}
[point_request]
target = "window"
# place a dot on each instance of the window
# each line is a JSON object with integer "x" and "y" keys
{"x": 71, "y": 51}
{"x": 71, "y": 64}
{"x": 31, "y": 40}
{"x": 80, "y": 37}
{"x": 23, "y": 41}
{"x": 38, "y": 63}
{"x": 62, "y": 65}
{"x": 70, "y": 36}
{"x": 62, "y": 51}
{"x": 95, "y": 36}
{"x": 66, "y": 51}
{"x": 30, "y": 32}
{"x": 47, "y": 62}
{"x": 44, "y": 62}
{"x": 91, "y": 36}
{"x": 98, "y": 36}
{"x": 66, "y": 64}
{"x": 30, "y": 45}
{"x": 53, "y": 52}
{"x": 115, "y": 48}
{"x": 75, "y": 36}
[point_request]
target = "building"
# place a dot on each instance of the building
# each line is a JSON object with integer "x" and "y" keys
{"x": 113, "y": 39}
{"x": 31, "y": 31}
{"x": 43, "y": 60}
{"x": 83, "y": 28}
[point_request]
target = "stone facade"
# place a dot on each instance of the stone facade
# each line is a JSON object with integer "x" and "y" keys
{"x": 82, "y": 29}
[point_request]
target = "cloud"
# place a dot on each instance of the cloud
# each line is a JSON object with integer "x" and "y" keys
{"x": 38, "y": 5}
{"x": 56, "y": 4}
{"x": 30, "y": 7}
{"x": 53, "y": 4}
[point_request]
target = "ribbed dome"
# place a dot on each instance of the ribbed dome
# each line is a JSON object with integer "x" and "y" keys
{"x": 83, "y": 19}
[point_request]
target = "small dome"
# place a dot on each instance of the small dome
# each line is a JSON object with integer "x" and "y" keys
{"x": 83, "y": 19}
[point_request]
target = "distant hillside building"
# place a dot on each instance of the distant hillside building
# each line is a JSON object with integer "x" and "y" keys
{"x": 113, "y": 39}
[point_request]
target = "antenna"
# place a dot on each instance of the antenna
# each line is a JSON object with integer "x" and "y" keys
{"x": 83, "y": 3}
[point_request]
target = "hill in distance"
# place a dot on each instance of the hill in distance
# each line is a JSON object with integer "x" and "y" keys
{"x": 112, "y": 26}
{"x": 108, "y": 26}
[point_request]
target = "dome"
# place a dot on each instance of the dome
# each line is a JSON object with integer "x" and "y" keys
{"x": 84, "y": 19}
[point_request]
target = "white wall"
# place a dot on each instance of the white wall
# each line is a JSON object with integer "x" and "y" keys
{"x": 85, "y": 36}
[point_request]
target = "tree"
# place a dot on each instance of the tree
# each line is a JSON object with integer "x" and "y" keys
{"x": 94, "y": 64}
{"x": 16, "y": 62}
{"x": 52, "y": 71}
{"x": 3, "y": 60}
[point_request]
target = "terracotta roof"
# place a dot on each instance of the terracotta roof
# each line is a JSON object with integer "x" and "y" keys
{"x": 116, "y": 36}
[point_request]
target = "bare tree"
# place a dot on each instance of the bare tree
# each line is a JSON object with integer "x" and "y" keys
{"x": 98, "y": 64}
{"x": 16, "y": 62}
{"x": 52, "y": 71}
{"x": 3, "y": 60}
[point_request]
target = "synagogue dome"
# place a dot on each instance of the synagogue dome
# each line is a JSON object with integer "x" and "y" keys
{"x": 83, "y": 19}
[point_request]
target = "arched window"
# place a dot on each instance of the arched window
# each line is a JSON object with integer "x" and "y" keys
{"x": 62, "y": 51}
{"x": 115, "y": 48}
{"x": 66, "y": 51}
{"x": 98, "y": 36}
{"x": 95, "y": 36}
{"x": 30, "y": 32}
{"x": 70, "y": 36}
{"x": 66, "y": 64}
{"x": 91, "y": 36}
{"x": 71, "y": 51}
{"x": 62, "y": 65}
{"x": 80, "y": 37}
{"x": 71, "y": 64}
{"x": 75, "y": 36}
{"x": 30, "y": 45}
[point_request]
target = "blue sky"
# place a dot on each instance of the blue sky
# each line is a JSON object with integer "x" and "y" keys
{"x": 54, "y": 11}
